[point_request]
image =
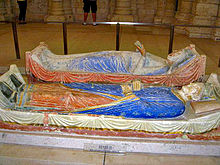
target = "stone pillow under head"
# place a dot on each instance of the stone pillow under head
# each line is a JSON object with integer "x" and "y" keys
{"x": 204, "y": 107}
{"x": 8, "y": 92}
{"x": 17, "y": 83}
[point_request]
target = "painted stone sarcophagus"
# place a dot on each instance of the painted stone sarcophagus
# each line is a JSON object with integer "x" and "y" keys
{"x": 110, "y": 106}
{"x": 180, "y": 68}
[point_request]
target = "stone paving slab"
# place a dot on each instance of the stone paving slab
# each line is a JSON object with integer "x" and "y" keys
{"x": 112, "y": 144}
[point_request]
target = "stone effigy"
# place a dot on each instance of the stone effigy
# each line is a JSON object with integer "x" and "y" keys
{"x": 180, "y": 68}
{"x": 108, "y": 106}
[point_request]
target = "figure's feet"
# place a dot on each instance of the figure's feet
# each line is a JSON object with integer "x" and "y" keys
{"x": 84, "y": 23}
{"x": 94, "y": 24}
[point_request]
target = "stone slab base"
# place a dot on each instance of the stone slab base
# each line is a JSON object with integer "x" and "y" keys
{"x": 198, "y": 35}
{"x": 122, "y": 18}
{"x": 53, "y": 18}
{"x": 111, "y": 144}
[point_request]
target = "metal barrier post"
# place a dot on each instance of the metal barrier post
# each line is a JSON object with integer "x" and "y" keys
{"x": 219, "y": 62}
{"x": 117, "y": 36}
{"x": 15, "y": 35}
{"x": 65, "y": 38}
{"x": 171, "y": 39}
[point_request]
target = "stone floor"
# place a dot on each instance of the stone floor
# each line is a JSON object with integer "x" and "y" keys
{"x": 102, "y": 37}
{"x": 25, "y": 155}
{"x": 86, "y": 39}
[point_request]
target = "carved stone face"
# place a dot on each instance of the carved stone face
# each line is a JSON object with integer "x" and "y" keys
{"x": 193, "y": 91}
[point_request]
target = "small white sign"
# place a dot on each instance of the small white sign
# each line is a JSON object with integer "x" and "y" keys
{"x": 104, "y": 148}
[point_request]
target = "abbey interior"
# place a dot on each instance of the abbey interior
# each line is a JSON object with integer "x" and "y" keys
{"x": 193, "y": 12}
{"x": 101, "y": 106}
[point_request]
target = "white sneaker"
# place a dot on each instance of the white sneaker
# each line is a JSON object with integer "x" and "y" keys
{"x": 84, "y": 23}
{"x": 94, "y": 24}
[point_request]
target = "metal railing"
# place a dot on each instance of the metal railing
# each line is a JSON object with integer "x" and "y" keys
{"x": 118, "y": 24}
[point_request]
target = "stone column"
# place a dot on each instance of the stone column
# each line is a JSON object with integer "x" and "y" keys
{"x": 169, "y": 11}
{"x": 68, "y": 10}
{"x": 184, "y": 14}
{"x": 165, "y": 11}
{"x": 123, "y": 11}
{"x": 160, "y": 11}
{"x": 9, "y": 10}
{"x": 2, "y": 10}
{"x": 216, "y": 32}
{"x": 204, "y": 13}
{"x": 146, "y": 10}
{"x": 55, "y": 11}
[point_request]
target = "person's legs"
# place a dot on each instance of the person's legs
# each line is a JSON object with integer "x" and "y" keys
{"x": 20, "y": 11}
{"x": 24, "y": 11}
{"x": 85, "y": 16}
{"x": 86, "y": 9}
{"x": 94, "y": 9}
{"x": 94, "y": 18}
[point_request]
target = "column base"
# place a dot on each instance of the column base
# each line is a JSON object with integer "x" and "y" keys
{"x": 158, "y": 20}
{"x": 122, "y": 18}
{"x": 180, "y": 30}
{"x": 54, "y": 18}
{"x": 69, "y": 18}
{"x": 199, "y": 32}
{"x": 216, "y": 35}
{"x": 2, "y": 18}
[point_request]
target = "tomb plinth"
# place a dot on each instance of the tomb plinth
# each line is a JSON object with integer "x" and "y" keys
{"x": 56, "y": 11}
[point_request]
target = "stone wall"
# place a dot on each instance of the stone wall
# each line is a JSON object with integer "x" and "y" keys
{"x": 204, "y": 12}
{"x": 6, "y": 10}
{"x": 146, "y": 10}
{"x": 37, "y": 9}
{"x": 195, "y": 12}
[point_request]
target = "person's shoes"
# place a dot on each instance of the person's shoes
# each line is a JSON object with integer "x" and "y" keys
{"x": 84, "y": 23}
{"x": 94, "y": 24}
{"x": 22, "y": 22}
